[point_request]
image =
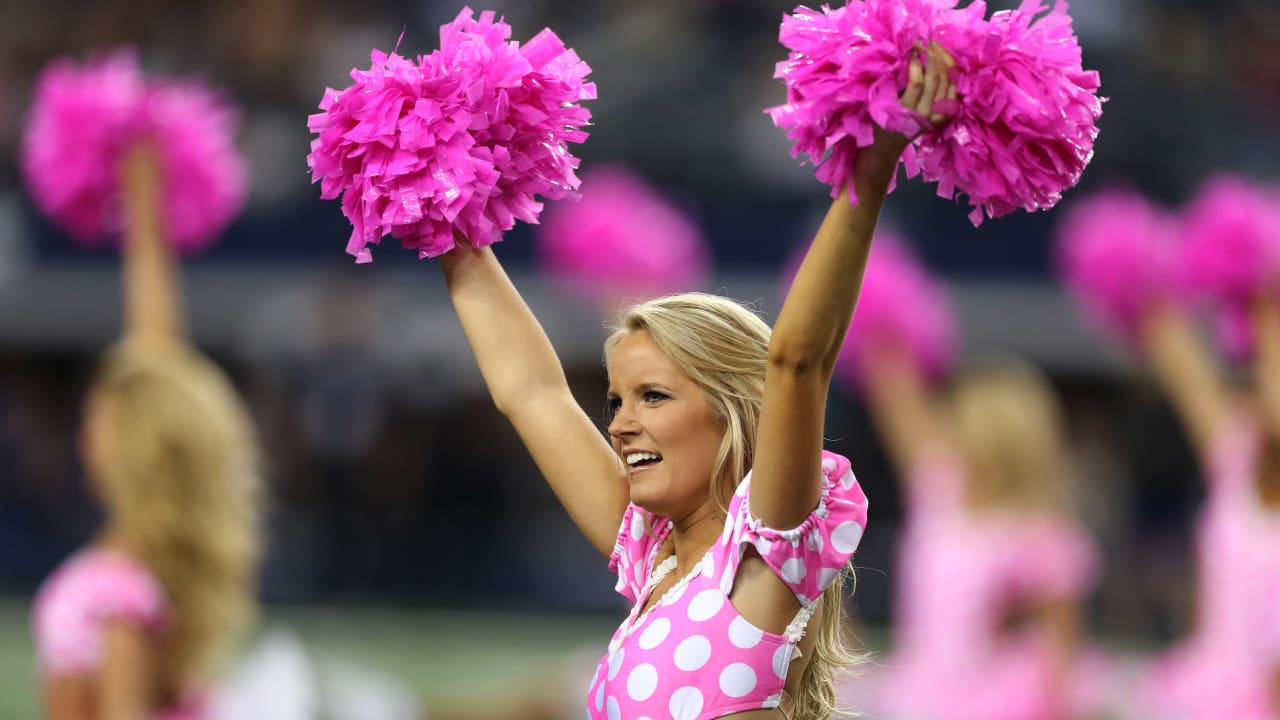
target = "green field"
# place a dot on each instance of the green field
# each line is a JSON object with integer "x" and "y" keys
{"x": 452, "y": 659}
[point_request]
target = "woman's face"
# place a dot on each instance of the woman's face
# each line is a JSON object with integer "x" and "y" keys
{"x": 663, "y": 428}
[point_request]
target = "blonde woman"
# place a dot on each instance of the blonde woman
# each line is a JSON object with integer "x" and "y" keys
{"x": 1230, "y": 664}
{"x": 726, "y": 523}
{"x": 992, "y": 563}
{"x": 130, "y": 625}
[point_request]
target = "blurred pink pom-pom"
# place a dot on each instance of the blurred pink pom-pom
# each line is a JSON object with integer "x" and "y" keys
{"x": 84, "y": 119}
{"x": 844, "y": 73}
{"x": 1028, "y": 111}
{"x": 902, "y": 307}
{"x": 463, "y": 138}
{"x": 621, "y": 240}
{"x": 1116, "y": 252}
{"x": 1230, "y": 253}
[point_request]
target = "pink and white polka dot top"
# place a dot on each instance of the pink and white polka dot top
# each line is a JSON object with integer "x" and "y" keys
{"x": 692, "y": 656}
{"x": 71, "y": 611}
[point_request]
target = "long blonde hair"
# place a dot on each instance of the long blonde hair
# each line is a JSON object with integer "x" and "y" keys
{"x": 174, "y": 463}
{"x": 723, "y": 347}
{"x": 1011, "y": 435}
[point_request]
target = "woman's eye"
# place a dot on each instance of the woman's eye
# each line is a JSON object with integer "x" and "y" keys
{"x": 613, "y": 404}
{"x": 654, "y": 396}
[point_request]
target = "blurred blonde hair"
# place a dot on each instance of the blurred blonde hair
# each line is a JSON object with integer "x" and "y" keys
{"x": 723, "y": 347}
{"x": 1011, "y": 436}
{"x": 174, "y": 462}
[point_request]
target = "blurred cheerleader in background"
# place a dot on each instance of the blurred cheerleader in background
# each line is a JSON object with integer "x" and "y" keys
{"x": 992, "y": 563}
{"x": 1124, "y": 259}
{"x": 131, "y": 625}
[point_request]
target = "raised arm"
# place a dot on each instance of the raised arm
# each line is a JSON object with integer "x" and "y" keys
{"x": 1266, "y": 362}
{"x": 903, "y": 409}
{"x": 528, "y": 386}
{"x": 152, "y": 298}
{"x": 1186, "y": 372}
{"x": 815, "y": 316}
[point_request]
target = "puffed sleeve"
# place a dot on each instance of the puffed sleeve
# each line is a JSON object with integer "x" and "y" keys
{"x": 810, "y": 556}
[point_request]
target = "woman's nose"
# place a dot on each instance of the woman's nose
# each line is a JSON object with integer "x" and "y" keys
{"x": 623, "y": 422}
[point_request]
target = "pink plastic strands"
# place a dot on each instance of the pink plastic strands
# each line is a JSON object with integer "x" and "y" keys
{"x": 82, "y": 121}
{"x": 1116, "y": 254}
{"x": 463, "y": 138}
{"x": 1028, "y": 111}
{"x": 901, "y": 305}
{"x": 1230, "y": 252}
{"x": 621, "y": 241}
{"x": 844, "y": 73}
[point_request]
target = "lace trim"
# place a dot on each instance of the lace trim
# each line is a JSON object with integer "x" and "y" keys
{"x": 635, "y": 619}
{"x": 795, "y": 630}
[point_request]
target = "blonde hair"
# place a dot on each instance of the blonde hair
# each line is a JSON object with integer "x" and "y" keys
{"x": 1011, "y": 435}
{"x": 723, "y": 347}
{"x": 177, "y": 473}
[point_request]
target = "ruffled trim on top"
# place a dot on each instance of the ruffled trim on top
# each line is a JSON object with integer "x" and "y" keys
{"x": 810, "y": 556}
{"x": 632, "y": 555}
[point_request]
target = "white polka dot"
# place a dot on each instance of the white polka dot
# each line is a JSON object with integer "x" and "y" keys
{"x": 615, "y": 713}
{"x": 782, "y": 660}
{"x": 615, "y": 662}
{"x": 705, "y": 604}
{"x": 726, "y": 581}
{"x": 686, "y": 703}
{"x": 637, "y": 526}
{"x": 815, "y": 540}
{"x": 692, "y": 653}
{"x": 708, "y": 569}
{"x": 763, "y": 546}
{"x": 653, "y": 635}
{"x": 793, "y": 570}
{"x": 642, "y": 682}
{"x": 600, "y": 697}
{"x": 737, "y": 680}
{"x": 826, "y": 576}
{"x": 639, "y": 574}
{"x": 846, "y": 536}
{"x": 847, "y": 480}
{"x": 743, "y": 634}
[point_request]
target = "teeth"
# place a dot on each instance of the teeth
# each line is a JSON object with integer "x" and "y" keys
{"x": 636, "y": 457}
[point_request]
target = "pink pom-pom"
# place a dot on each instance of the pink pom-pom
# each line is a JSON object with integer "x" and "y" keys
{"x": 899, "y": 306}
{"x": 621, "y": 240}
{"x": 82, "y": 122}
{"x": 463, "y": 138}
{"x": 844, "y": 72}
{"x": 1116, "y": 252}
{"x": 1027, "y": 115}
{"x": 1230, "y": 253}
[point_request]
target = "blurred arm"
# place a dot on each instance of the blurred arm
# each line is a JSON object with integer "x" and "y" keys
{"x": 528, "y": 385}
{"x": 1266, "y": 363}
{"x": 68, "y": 697}
{"x": 125, "y": 680}
{"x": 902, "y": 407}
{"x": 153, "y": 305}
{"x": 1186, "y": 371}
{"x": 1060, "y": 619}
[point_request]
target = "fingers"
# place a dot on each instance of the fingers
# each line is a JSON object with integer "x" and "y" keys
{"x": 915, "y": 84}
{"x": 930, "y": 83}
{"x": 939, "y": 66}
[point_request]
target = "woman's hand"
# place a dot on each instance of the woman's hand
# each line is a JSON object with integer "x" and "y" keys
{"x": 930, "y": 92}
